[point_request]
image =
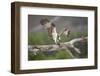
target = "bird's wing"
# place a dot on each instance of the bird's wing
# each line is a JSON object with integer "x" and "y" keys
{"x": 64, "y": 32}
{"x": 61, "y": 33}
{"x": 67, "y": 33}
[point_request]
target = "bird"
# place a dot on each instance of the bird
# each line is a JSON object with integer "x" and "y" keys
{"x": 54, "y": 34}
{"x": 65, "y": 32}
{"x": 47, "y": 25}
{"x": 52, "y": 30}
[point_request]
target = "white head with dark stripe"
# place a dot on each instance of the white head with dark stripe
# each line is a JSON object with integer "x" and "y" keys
{"x": 66, "y": 32}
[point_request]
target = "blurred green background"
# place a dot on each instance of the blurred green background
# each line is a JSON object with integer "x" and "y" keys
{"x": 41, "y": 38}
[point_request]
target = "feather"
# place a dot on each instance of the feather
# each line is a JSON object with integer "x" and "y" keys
{"x": 67, "y": 33}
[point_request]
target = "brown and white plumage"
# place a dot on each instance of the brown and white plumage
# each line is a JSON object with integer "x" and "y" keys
{"x": 52, "y": 32}
{"x": 47, "y": 25}
{"x": 51, "y": 28}
{"x": 65, "y": 32}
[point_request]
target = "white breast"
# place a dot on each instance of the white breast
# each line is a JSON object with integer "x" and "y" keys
{"x": 47, "y": 25}
{"x": 54, "y": 35}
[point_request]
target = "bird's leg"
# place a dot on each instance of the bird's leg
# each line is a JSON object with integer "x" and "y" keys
{"x": 55, "y": 40}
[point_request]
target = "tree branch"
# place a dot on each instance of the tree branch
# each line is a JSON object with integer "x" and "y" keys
{"x": 68, "y": 46}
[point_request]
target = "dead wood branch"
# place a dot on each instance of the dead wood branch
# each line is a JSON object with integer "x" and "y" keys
{"x": 53, "y": 47}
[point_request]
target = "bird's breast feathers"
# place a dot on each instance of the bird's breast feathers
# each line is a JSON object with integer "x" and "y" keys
{"x": 54, "y": 35}
{"x": 47, "y": 25}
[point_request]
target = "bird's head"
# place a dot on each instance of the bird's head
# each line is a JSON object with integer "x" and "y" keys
{"x": 66, "y": 32}
{"x": 44, "y": 21}
{"x": 65, "y": 29}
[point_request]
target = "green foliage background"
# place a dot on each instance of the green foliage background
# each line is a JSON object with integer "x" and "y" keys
{"x": 41, "y": 38}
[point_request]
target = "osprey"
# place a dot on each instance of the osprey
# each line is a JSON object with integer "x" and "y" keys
{"x": 52, "y": 32}
{"x": 51, "y": 28}
{"x": 65, "y": 32}
{"x": 47, "y": 25}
